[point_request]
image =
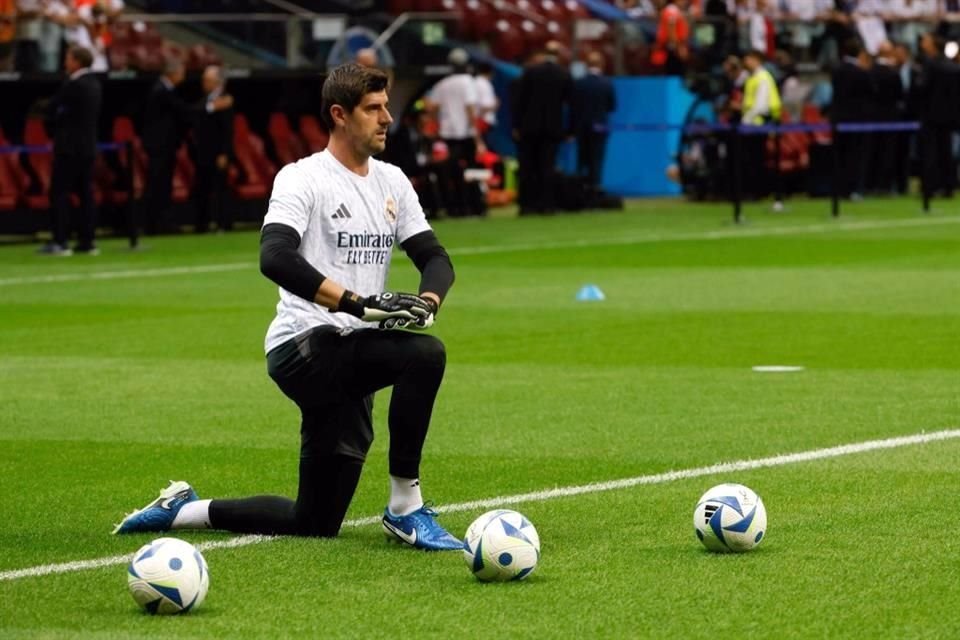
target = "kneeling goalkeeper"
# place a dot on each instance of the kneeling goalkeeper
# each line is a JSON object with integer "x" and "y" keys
{"x": 337, "y": 338}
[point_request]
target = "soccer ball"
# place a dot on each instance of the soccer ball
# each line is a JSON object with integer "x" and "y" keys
{"x": 168, "y": 576}
{"x": 730, "y": 517}
{"x": 501, "y": 545}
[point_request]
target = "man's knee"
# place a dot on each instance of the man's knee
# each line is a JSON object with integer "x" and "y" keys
{"x": 430, "y": 352}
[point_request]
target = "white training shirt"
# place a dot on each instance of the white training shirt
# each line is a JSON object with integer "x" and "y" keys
{"x": 348, "y": 226}
{"x": 453, "y": 94}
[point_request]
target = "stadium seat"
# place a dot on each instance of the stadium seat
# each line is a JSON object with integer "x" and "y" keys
{"x": 479, "y": 20}
{"x": 254, "y": 172}
{"x": 288, "y": 146}
{"x": 41, "y": 165}
{"x": 315, "y": 135}
{"x": 12, "y": 180}
{"x": 507, "y": 41}
{"x": 183, "y": 176}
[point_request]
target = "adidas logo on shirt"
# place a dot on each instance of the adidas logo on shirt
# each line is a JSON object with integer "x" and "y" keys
{"x": 341, "y": 213}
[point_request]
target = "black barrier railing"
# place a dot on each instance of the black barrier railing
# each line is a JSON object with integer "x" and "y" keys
{"x": 738, "y": 131}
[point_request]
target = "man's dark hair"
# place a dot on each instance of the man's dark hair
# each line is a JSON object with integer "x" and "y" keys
{"x": 852, "y": 48}
{"x": 82, "y": 55}
{"x": 755, "y": 53}
{"x": 346, "y": 85}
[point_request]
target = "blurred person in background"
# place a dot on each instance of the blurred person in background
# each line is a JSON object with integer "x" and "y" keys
{"x": 29, "y": 33}
{"x": 487, "y": 102}
{"x": 213, "y": 135}
{"x": 166, "y": 120}
{"x": 593, "y": 101}
{"x": 8, "y": 34}
{"x": 671, "y": 49}
{"x": 761, "y": 106}
{"x": 454, "y": 100}
{"x": 907, "y": 110}
{"x": 541, "y": 95}
{"x": 73, "y": 114}
{"x": 886, "y": 108}
{"x": 938, "y": 94}
{"x": 367, "y": 57}
{"x": 853, "y": 91}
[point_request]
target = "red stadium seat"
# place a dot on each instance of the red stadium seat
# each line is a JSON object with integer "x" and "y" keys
{"x": 289, "y": 146}
{"x": 507, "y": 41}
{"x": 12, "y": 181}
{"x": 41, "y": 164}
{"x": 316, "y": 136}
{"x": 479, "y": 20}
{"x": 254, "y": 175}
{"x": 183, "y": 175}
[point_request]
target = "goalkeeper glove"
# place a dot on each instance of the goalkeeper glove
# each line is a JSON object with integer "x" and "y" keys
{"x": 386, "y": 306}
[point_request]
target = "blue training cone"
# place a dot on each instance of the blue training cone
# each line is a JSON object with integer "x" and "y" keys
{"x": 590, "y": 293}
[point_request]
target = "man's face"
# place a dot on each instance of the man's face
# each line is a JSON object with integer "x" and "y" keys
{"x": 366, "y": 126}
{"x": 751, "y": 63}
{"x": 70, "y": 64}
{"x": 210, "y": 81}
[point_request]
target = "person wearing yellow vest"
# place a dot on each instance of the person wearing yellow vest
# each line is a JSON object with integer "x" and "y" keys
{"x": 761, "y": 105}
{"x": 761, "y": 98}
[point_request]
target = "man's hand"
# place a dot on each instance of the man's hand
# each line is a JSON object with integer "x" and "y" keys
{"x": 394, "y": 306}
{"x": 421, "y": 323}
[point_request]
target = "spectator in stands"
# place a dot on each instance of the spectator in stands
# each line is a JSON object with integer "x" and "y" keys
{"x": 8, "y": 33}
{"x": 87, "y": 24}
{"x": 454, "y": 99}
{"x": 166, "y": 120}
{"x": 761, "y": 31}
{"x": 806, "y": 22}
{"x": 487, "y": 102}
{"x": 542, "y": 93}
{"x": 51, "y": 36}
{"x": 853, "y": 90}
{"x": 731, "y": 103}
{"x": 938, "y": 94}
{"x": 761, "y": 105}
{"x": 593, "y": 101}
{"x": 213, "y": 135}
{"x": 671, "y": 49}
{"x": 73, "y": 114}
{"x": 908, "y": 19}
{"x": 29, "y": 33}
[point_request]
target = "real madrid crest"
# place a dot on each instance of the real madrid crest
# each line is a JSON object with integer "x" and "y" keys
{"x": 391, "y": 210}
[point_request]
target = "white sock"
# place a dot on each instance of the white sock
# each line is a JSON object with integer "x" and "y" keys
{"x": 405, "y": 495}
{"x": 193, "y": 515}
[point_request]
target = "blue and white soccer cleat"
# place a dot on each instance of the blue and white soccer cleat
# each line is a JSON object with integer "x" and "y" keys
{"x": 420, "y": 530}
{"x": 159, "y": 514}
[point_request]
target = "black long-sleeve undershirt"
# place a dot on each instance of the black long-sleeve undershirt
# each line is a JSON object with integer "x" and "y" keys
{"x": 282, "y": 263}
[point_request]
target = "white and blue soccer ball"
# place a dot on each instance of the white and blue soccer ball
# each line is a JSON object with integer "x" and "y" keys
{"x": 501, "y": 545}
{"x": 730, "y": 517}
{"x": 168, "y": 576}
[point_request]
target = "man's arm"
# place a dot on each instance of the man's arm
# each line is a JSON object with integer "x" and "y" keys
{"x": 282, "y": 263}
{"x": 433, "y": 262}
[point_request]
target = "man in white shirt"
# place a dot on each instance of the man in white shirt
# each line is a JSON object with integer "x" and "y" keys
{"x": 330, "y": 229}
{"x": 487, "y": 101}
{"x": 454, "y": 99}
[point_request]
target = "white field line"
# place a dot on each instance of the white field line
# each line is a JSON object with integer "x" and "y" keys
{"x": 720, "y": 234}
{"x": 540, "y": 496}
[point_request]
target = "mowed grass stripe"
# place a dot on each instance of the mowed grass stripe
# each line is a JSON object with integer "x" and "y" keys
{"x": 735, "y": 233}
{"x": 541, "y": 496}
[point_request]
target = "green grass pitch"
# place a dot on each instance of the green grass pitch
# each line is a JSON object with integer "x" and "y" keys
{"x": 120, "y": 372}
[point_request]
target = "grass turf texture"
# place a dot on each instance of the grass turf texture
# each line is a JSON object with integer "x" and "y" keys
{"x": 111, "y": 387}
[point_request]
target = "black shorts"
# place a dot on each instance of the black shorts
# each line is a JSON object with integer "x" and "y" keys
{"x": 332, "y": 375}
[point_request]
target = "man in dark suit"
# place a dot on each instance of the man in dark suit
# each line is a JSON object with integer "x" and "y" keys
{"x": 541, "y": 94}
{"x": 593, "y": 101}
{"x": 886, "y": 108}
{"x": 166, "y": 119}
{"x": 213, "y": 135}
{"x": 73, "y": 114}
{"x": 938, "y": 94}
{"x": 853, "y": 91}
